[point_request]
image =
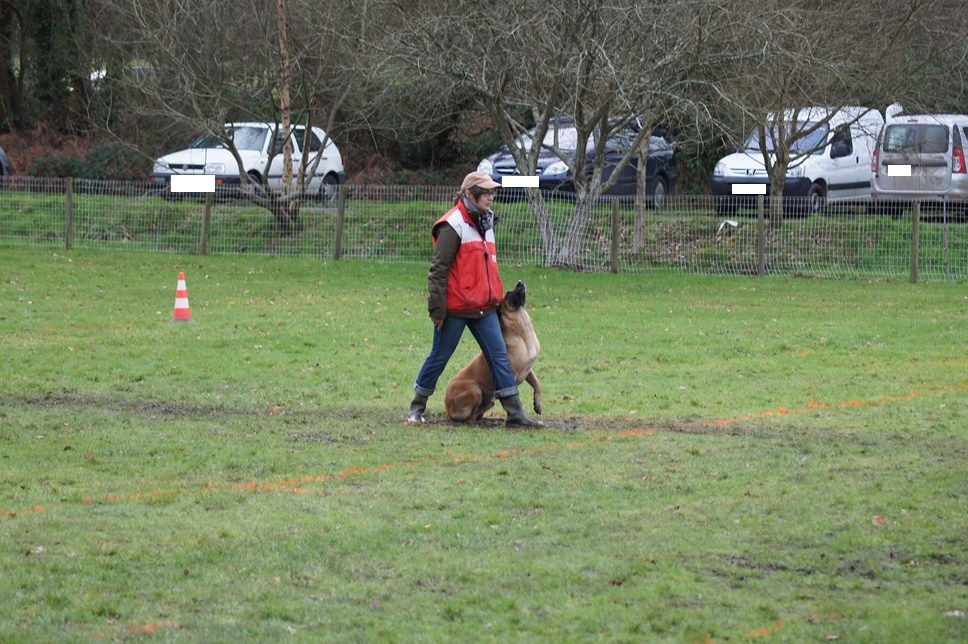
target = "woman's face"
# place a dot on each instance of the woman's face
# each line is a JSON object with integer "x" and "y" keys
{"x": 483, "y": 203}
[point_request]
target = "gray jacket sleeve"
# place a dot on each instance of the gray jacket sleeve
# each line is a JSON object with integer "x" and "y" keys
{"x": 448, "y": 243}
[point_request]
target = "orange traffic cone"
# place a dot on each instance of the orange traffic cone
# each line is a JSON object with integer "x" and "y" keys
{"x": 182, "y": 312}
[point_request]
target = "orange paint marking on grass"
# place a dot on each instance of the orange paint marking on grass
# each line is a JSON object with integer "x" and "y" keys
{"x": 299, "y": 485}
{"x": 814, "y": 405}
{"x": 148, "y": 629}
{"x": 766, "y": 631}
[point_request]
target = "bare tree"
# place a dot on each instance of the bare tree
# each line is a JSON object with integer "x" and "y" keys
{"x": 213, "y": 63}
{"x": 787, "y": 57}
{"x": 602, "y": 65}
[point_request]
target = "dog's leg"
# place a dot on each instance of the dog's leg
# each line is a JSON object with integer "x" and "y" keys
{"x": 482, "y": 409}
{"x": 533, "y": 381}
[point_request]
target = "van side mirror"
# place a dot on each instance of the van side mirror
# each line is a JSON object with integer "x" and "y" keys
{"x": 839, "y": 150}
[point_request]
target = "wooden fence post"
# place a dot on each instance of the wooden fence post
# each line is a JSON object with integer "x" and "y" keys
{"x": 340, "y": 213}
{"x": 915, "y": 240}
{"x": 760, "y": 235}
{"x": 206, "y": 223}
{"x": 69, "y": 214}
{"x": 615, "y": 235}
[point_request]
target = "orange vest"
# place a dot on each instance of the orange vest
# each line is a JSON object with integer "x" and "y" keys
{"x": 473, "y": 283}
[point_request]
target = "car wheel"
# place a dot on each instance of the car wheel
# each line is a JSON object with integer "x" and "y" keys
{"x": 816, "y": 199}
{"x": 329, "y": 189}
{"x": 660, "y": 193}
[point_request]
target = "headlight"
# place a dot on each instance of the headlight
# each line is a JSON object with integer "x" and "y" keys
{"x": 485, "y": 166}
{"x": 160, "y": 167}
{"x": 720, "y": 169}
{"x": 558, "y": 167}
{"x": 214, "y": 168}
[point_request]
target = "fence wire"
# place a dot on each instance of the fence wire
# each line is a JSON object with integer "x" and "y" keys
{"x": 392, "y": 224}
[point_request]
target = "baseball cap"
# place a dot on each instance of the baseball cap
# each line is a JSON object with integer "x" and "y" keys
{"x": 479, "y": 179}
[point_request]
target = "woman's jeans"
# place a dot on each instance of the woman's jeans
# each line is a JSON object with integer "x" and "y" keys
{"x": 487, "y": 332}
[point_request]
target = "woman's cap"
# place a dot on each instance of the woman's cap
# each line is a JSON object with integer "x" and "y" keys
{"x": 479, "y": 179}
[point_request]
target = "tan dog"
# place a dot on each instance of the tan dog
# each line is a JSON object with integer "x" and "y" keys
{"x": 471, "y": 392}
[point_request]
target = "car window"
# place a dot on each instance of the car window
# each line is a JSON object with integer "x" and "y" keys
{"x": 249, "y": 138}
{"x": 621, "y": 141}
{"x": 916, "y": 137}
{"x": 277, "y": 144}
{"x": 811, "y": 143}
{"x": 206, "y": 141}
{"x": 565, "y": 138}
{"x": 315, "y": 145}
{"x": 658, "y": 143}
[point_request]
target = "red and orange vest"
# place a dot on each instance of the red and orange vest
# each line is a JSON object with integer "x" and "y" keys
{"x": 474, "y": 283}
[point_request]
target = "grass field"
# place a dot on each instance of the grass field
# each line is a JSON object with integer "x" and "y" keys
{"x": 724, "y": 459}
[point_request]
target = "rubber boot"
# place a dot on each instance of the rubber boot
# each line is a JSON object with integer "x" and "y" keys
{"x": 417, "y": 407}
{"x": 516, "y": 416}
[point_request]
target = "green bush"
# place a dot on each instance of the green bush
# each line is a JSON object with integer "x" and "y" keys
{"x": 57, "y": 166}
{"x": 104, "y": 161}
{"x": 115, "y": 162}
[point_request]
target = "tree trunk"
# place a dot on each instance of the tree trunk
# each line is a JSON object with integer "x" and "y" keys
{"x": 569, "y": 255}
{"x": 291, "y": 206}
{"x": 286, "y": 213}
{"x": 777, "y": 182}
{"x": 539, "y": 209}
{"x": 641, "y": 197}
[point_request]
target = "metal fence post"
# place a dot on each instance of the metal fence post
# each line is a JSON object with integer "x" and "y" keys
{"x": 206, "y": 223}
{"x": 69, "y": 213}
{"x": 915, "y": 240}
{"x": 615, "y": 235}
{"x": 761, "y": 235}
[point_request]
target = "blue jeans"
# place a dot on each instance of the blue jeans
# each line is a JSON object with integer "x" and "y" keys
{"x": 487, "y": 332}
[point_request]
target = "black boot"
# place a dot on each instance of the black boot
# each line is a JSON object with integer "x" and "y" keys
{"x": 417, "y": 407}
{"x": 516, "y": 416}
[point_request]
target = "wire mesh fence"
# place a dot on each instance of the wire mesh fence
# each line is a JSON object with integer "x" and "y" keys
{"x": 392, "y": 224}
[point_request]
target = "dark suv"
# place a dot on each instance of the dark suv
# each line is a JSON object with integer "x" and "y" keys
{"x": 555, "y": 176}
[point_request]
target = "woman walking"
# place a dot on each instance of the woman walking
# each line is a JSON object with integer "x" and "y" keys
{"x": 465, "y": 290}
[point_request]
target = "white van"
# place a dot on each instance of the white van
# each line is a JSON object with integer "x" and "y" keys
{"x": 831, "y": 162}
{"x": 920, "y": 157}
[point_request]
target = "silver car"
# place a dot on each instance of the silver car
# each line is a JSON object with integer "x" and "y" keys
{"x": 921, "y": 158}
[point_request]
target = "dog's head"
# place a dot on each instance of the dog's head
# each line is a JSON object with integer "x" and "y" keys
{"x": 514, "y": 299}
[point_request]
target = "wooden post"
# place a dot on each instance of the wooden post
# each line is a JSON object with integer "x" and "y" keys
{"x": 69, "y": 214}
{"x": 915, "y": 240}
{"x": 206, "y": 223}
{"x": 615, "y": 235}
{"x": 761, "y": 235}
{"x": 340, "y": 213}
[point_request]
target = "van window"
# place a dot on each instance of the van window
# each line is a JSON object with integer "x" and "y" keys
{"x": 916, "y": 137}
{"x": 812, "y": 143}
{"x": 842, "y": 135}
